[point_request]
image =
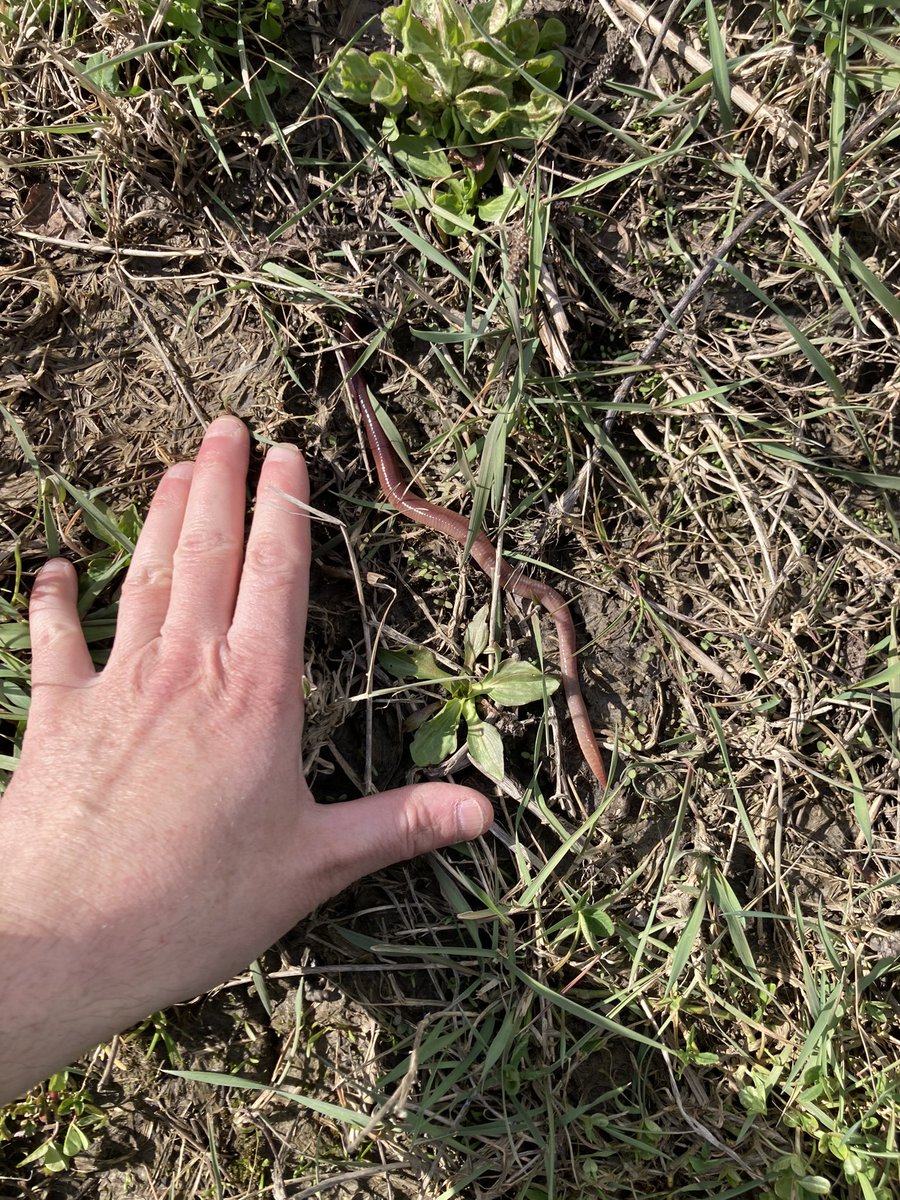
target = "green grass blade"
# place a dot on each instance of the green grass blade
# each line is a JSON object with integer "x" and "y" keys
{"x": 584, "y": 1014}
{"x": 743, "y": 815}
{"x": 686, "y": 941}
{"x": 816, "y": 358}
{"x": 333, "y": 1112}
{"x": 207, "y": 129}
{"x": 729, "y": 906}
{"x": 876, "y": 288}
{"x": 837, "y": 122}
{"x": 303, "y": 285}
{"x": 426, "y": 249}
{"x": 719, "y": 59}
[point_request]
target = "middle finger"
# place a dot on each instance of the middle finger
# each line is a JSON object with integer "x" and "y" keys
{"x": 210, "y": 550}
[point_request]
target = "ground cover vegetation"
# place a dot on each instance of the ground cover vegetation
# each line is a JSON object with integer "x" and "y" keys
{"x": 662, "y": 366}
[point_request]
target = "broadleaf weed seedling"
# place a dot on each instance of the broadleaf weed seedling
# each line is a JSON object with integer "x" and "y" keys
{"x": 463, "y": 82}
{"x": 211, "y": 50}
{"x": 437, "y": 733}
{"x": 60, "y": 1116}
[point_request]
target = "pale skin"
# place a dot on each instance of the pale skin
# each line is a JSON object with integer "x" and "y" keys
{"x": 158, "y": 833}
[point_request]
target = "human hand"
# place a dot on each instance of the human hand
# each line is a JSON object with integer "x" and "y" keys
{"x": 158, "y": 833}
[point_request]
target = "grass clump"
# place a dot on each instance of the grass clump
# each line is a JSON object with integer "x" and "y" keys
{"x": 216, "y": 54}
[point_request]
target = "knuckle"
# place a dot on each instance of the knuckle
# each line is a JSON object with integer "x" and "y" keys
{"x": 263, "y": 691}
{"x": 416, "y": 828}
{"x": 50, "y": 588}
{"x": 49, "y": 632}
{"x": 269, "y": 557}
{"x": 206, "y": 544}
{"x": 166, "y": 673}
{"x": 147, "y": 576}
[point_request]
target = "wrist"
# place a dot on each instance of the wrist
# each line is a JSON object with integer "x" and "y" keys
{"x": 58, "y": 997}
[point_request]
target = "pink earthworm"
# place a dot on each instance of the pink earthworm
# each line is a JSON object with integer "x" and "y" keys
{"x": 404, "y": 499}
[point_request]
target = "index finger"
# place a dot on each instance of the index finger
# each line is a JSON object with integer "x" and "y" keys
{"x": 270, "y": 614}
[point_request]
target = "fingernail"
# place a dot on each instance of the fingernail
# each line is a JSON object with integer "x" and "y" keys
{"x": 56, "y": 573}
{"x": 470, "y": 820}
{"x": 282, "y": 452}
{"x": 225, "y": 426}
{"x": 180, "y": 470}
{"x": 56, "y": 566}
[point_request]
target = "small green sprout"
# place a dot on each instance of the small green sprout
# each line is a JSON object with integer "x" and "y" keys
{"x": 60, "y": 1117}
{"x": 211, "y": 49}
{"x": 509, "y": 684}
{"x": 462, "y": 83}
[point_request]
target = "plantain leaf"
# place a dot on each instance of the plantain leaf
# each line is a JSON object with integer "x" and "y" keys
{"x": 482, "y": 58}
{"x": 413, "y": 662}
{"x": 552, "y": 34}
{"x": 476, "y": 637}
{"x": 461, "y": 82}
{"x": 522, "y": 38}
{"x": 437, "y": 738}
{"x": 353, "y": 77}
{"x": 515, "y": 683}
{"x": 485, "y": 745}
{"x": 548, "y": 70}
{"x": 500, "y": 207}
{"x": 482, "y": 109}
{"x": 423, "y": 156}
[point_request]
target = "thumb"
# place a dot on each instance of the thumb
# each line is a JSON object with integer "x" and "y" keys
{"x": 365, "y": 835}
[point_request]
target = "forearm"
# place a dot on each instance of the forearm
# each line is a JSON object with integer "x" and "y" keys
{"x": 45, "y": 1024}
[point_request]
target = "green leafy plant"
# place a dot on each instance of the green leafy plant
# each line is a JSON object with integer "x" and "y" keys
{"x": 437, "y": 732}
{"x": 212, "y": 45}
{"x": 60, "y": 1116}
{"x": 461, "y": 83}
{"x": 216, "y": 51}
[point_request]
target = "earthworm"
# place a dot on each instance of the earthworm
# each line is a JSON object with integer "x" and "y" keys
{"x": 453, "y": 525}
